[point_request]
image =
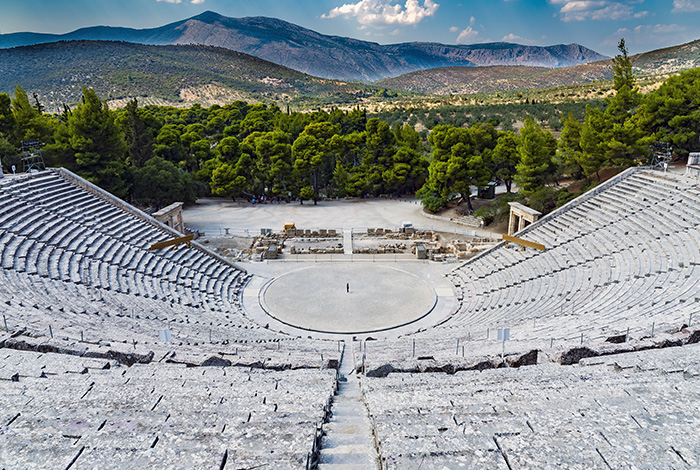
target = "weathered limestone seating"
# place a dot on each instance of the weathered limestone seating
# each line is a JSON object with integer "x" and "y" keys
{"x": 78, "y": 271}
{"x": 98, "y": 414}
{"x": 637, "y": 410}
{"x": 625, "y": 257}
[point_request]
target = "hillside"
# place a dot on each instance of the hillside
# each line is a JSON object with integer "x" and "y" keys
{"x": 161, "y": 74}
{"x": 467, "y": 80}
{"x": 321, "y": 55}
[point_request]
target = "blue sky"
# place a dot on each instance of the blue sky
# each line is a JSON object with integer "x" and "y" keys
{"x": 598, "y": 24}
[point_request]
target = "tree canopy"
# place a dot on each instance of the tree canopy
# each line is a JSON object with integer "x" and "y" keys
{"x": 257, "y": 150}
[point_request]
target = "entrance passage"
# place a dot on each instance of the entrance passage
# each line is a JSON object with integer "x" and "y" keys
{"x": 317, "y": 298}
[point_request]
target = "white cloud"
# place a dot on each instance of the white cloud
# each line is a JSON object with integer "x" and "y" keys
{"x": 664, "y": 29}
{"x": 467, "y": 35}
{"x": 197, "y": 2}
{"x": 650, "y": 36}
{"x": 598, "y": 10}
{"x": 680, "y": 6}
{"x": 518, "y": 39}
{"x": 385, "y": 12}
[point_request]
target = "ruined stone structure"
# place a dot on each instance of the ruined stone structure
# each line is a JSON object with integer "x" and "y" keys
{"x": 171, "y": 216}
{"x": 520, "y": 217}
{"x": 693, "y": 167}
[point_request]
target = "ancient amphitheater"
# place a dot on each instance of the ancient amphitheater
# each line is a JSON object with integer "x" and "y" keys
{"x": 118, "y": 356}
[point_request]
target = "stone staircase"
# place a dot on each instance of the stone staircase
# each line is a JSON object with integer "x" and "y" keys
{"x": 348, "y": 441}
{"x": 347, "y": 241}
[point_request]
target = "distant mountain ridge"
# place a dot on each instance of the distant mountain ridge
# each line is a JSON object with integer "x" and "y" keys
{"x": 466, "y": 80}
{"x": 317, "y": 54}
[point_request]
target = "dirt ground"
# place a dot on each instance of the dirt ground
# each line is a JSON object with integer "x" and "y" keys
{"x": 452, "y": 212}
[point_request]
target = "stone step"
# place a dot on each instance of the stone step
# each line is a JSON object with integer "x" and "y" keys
{"x": 348, "y": 443}
{"x": 344, "y": 466}
{"x": 347, "y": 397}
{"x": 344, "y": 439}
{"x": 353, "y": 455}
{"x": 348, "y": 407}
{"x": 348, "y": 419}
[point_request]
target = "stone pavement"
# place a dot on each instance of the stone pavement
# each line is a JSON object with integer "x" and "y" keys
{"x": 212, "y": 215}
{"x": 322, "y": 294}
{"x": 348, "y": 297}
{"x": 348, "y": 441}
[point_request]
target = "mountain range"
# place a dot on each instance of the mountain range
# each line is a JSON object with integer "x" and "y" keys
{"x": 317, "y": 54}
{"x": 467, "y": 80}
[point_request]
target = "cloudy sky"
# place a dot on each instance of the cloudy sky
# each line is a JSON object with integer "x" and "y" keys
{"x": 598, "y": 24}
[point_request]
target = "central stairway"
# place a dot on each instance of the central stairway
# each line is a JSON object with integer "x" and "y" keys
{"x": 348, "y": 441}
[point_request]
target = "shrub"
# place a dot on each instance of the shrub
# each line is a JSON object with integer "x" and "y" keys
{"x": 543, "y": 199}
{"x": 486, "y": 213}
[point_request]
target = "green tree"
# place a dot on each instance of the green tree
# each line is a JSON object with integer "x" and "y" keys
{"x": 627, "y": 96}
{"x": 139, "y": 138}
{"x": 458, "y": 164}
{"x": 159, "y": 183}
{"x": 348, "y": 176}
{"x": 537, "y": 148}
{"x": 7, "y": 119}
{"x": 611, "y": 138}
{"x": 168, "y": 145}
{"x": 594, "y": 136}
{"x": 31, "y": 124}
{"x": 569, "y": 147}
{"x": 95, "y": 144}
{"x": 406, "y": 171}
{"x": 672, "y": 113}
{"x": 308, "y": 158}
{"x": 380, "y": 147}
{"x": 312, "y": 153}
{"x": 273, "y": 156}
{"x": 506, "y": 158}
{"x": 444, "y": 171}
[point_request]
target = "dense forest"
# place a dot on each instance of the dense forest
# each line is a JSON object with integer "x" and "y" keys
{"x": 155, "y": 155}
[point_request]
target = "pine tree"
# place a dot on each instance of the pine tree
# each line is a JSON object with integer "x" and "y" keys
{"x": 95, "y": 144}
{"x": 139, "y": 139}
{"x": 506, "y": 158}
{"x": 537, "y": 149}
{"x": 570, "y": 147}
